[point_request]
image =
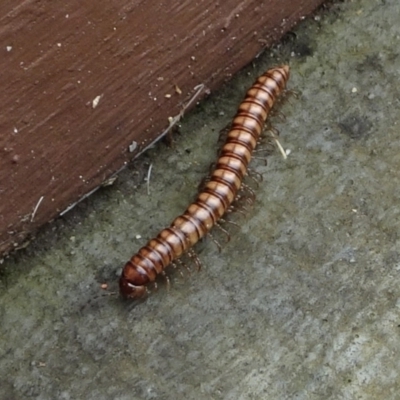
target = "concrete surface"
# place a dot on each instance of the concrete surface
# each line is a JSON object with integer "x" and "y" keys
{"x": 302, "y": 303}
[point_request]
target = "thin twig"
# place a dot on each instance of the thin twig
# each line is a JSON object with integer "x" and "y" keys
{"x": 281, "y": 149}
{"x": 36, "y": 208}
{"x": 174, "y": 120}
{"x": 148, "y": 179}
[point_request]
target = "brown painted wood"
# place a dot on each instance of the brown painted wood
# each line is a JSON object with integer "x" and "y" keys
{"x": 58, "y": 58}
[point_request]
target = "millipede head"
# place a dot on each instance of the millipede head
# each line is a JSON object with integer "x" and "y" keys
{"x": 130, "y": 291}
{"x": 133, "y": 281}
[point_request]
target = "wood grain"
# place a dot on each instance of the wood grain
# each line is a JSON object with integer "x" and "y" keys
{"x": 81, "y": 81}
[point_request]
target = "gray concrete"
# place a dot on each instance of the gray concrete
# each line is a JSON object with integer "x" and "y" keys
{"x": 303, "y": 303}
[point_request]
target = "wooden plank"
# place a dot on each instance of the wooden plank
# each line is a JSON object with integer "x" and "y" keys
{"x": 81, "y": 81}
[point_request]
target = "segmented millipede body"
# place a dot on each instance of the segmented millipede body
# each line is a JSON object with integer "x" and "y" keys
{"x": 218, "y": 194}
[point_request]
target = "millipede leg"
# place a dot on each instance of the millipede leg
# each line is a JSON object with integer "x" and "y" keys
{"x": 272, "y": 132}
{"x": 193, "y": 256}
{"x": 203, "y": 183}
{"x": 229, "y": 222}
{"x": 215, "y": 241}
{"x": 224, "y": 230}
{"x": 223, "y": 133}
{"x": 155, "y": 287}
{"x": 248, "y": 190}
{"x": 175, "y": 266}
{"x": 290, "y": 92}
{"x": 237, "y": 206}
{"x": 278, "y": 114}
{"x": 181, "y": 266}
{"x": 165, "y": 276}
{"x": 236, "y": 209}
{"x": 255, "y": 176}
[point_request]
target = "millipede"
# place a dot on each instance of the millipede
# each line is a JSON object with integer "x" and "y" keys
{"x": 218, "y": 193}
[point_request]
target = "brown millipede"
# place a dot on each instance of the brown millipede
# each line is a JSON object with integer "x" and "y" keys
{"x": 219, "y": 191}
